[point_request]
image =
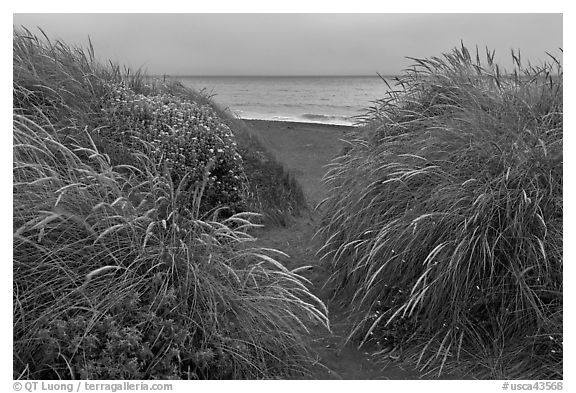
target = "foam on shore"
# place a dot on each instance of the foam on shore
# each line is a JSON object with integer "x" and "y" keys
{"x": 307, "y": 118}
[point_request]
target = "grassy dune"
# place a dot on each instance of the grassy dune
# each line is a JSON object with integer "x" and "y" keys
{"x": 443, "y": 223}
{"x": 121, "y": 270}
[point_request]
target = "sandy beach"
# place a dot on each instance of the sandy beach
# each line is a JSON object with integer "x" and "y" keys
{"x": 305, "y": 149}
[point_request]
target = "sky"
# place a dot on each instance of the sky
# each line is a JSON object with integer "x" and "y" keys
{"x": 295, "y": 44}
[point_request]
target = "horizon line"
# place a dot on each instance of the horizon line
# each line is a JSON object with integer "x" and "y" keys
{"x": 274, "y": 76}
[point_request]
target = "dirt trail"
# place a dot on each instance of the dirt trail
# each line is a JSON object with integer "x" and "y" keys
{"x": 305, "y": 149}
{"x": 336, "y": 360}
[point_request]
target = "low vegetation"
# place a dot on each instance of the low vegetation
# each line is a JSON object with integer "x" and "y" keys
{"x": 443, "y": 223}
{"x": 131, "y": 247}
{"x": 271, "y": 189}
{"x": 186, "y": 137}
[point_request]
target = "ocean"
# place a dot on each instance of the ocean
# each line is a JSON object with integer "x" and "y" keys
{"x": 328, "y": 100}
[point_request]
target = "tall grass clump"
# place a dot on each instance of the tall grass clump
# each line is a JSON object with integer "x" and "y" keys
{"x": 443, "y": 224}
{"x": 118, "y": 272}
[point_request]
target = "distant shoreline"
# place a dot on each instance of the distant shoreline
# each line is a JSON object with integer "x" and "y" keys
{"x": 296, "y": 120}
{"x": 341, "y": 100}
{"x": 160, "y": 76}
{"x": 300, "y": 125}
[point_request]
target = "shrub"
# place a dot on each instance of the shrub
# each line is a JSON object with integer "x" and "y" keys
{"x": 270, "y": 188}
{"x": 184, "y": 136}
{"x": 444, "y": 225}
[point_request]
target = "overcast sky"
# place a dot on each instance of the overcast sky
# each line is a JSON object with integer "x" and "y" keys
{"x": 295, "y": 44}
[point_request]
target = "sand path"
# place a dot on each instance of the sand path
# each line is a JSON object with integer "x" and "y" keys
{"x": 305, "y": 149}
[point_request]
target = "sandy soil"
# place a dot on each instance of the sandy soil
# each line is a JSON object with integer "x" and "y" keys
{"x": 305, "y": 149}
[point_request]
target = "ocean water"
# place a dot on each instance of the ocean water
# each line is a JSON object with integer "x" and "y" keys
{"x": 329, "y": 100}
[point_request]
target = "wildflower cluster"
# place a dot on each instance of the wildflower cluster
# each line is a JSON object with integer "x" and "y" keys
{"x": 186, "y": 138}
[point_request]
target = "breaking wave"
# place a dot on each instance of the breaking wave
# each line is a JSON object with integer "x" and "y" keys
{"x": 303, "y": 118}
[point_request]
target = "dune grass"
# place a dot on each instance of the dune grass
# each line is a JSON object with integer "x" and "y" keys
{"x": 117, "y": 271}
{"x": 443, "y": 223}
